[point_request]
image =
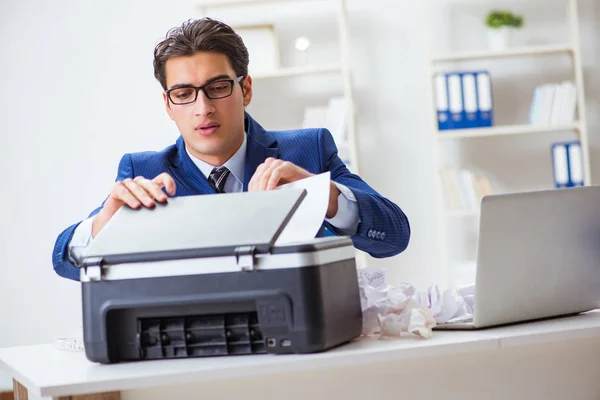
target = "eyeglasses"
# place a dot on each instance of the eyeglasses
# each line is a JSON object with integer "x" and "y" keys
{"x": 213, "y": 90}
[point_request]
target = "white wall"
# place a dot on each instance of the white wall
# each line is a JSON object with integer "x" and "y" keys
{"x": 63, "y": 130}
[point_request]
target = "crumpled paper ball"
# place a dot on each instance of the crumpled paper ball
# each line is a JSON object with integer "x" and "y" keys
{"x": 401, "y": 309}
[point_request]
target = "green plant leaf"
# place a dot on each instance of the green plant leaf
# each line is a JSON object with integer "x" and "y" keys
{"x": 499, "y": 18}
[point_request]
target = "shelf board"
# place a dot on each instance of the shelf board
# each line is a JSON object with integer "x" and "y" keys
{"x": 298, "y": 71}
{"x": 230, "y": 3}
{"x": 513, "y": 52}
{"x": 505, "y": 130}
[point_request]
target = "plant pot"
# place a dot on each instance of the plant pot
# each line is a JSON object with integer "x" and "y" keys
{"x": 500, "y": 38}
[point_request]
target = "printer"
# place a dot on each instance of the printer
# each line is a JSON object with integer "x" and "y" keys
{"x": 203, "y": 276}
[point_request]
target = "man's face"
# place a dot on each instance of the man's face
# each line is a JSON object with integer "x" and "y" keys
{"x": 213, "y": 130}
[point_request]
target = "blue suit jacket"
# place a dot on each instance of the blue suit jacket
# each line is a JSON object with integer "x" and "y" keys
{"x": 383, "y": 231}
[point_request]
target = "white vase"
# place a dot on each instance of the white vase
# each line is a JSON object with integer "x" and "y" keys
{"x": 500, "y": 38}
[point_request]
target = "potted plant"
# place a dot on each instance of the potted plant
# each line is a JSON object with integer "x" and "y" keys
{"x": 501, "y": 24}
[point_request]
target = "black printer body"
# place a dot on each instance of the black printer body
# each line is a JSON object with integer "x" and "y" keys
{"x": 216, "y": 300}
{"x": 178, "y": 313}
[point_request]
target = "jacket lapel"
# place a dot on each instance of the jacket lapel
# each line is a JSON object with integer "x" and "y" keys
{"x": 187, "y": 174}
{"x": 259, "y": 147}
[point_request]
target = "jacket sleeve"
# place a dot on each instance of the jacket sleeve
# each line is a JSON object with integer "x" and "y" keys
{"x": 383, "y": 229}
{"x": 61, "y": 259}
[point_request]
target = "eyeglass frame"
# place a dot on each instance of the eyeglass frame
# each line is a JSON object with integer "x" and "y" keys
{"x": 203, "y": 88}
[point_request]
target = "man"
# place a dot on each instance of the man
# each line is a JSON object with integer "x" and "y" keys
{"x": 203, "y": 69}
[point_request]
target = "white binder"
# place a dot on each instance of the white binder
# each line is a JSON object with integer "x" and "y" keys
{"x": 456, "y": 101}
{"x": 575, "y": 164}
{"x": 561, "y": 168}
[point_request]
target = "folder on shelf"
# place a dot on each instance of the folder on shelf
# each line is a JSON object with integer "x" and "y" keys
{"x": 455, "y": 95}
{"x": 336, "y": 119}
{"x": 441, "y": 101}
{"x": 553, "y": 104}
{"x": 560, "y": 165}
{"x": 569, "y": 104}
{"x": 463, "y": 100}
{"x": 575, "y": 164}
{"x": 567, "y": 163}
{"x": 557, "y": 104}
{"x": 484, "y": 98}
{"x": 472, "y": 112}
{"x": 534, "y": 109}
{"x": 314, "y": 116}
{"x": 463, "y": 188}
{"x": 333, "y": 117}
{"x": 467, "y": 190}
{"x": 548, "y": 96}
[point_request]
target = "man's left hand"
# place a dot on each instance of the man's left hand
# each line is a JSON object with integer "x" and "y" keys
{"x": 274, "y": 172}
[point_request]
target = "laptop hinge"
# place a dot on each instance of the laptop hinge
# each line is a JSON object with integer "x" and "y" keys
{"x": 244, "y": 256}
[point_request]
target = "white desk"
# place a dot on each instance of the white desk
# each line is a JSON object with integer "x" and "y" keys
{"x": 553, "y": 359}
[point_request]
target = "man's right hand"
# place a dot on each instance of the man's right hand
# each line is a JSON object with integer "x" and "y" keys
{"x": 135, "y": 192}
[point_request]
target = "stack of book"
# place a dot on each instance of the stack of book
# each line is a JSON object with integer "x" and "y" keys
{"x": 464, "y": 189}
{"x": 553, "y": 104}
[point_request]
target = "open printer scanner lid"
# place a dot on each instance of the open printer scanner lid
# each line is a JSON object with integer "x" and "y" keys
{"x": 195, "y": 226}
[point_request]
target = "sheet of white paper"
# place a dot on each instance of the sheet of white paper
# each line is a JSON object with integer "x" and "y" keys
{"x": 309, "y": 216}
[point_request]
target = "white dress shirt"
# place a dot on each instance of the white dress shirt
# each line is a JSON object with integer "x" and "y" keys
{"x": 345, "y": 220}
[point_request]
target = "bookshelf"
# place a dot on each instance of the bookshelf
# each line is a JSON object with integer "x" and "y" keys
{"x": 448, "y": 219}
{"x": 206, "y": 4}
{"x": 343, "y": 68}
{"x": 348, "y": 149}
{"x": 509, "y": 53}
{"x": 299, "y": 71}
{"x": 525, "y": 129}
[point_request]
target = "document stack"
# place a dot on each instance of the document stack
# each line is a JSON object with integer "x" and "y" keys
{"x": 567, "y": 162}
{"x": 464, "y": 100}
{"x": 553, "y": 104}
{"x": 464, "y": 189}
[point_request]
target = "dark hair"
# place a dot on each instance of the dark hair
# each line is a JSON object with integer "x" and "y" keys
{"x": 194, "y": 36}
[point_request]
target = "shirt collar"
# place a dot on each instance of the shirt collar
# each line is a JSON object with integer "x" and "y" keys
{"x": 235, "y": 164}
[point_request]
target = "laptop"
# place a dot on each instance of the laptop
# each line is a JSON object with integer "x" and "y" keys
{"x": 538, "y": 256}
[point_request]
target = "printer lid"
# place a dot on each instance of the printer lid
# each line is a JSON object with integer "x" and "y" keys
{"x": 195, "y": 226}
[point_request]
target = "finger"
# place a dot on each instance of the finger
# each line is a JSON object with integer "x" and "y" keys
{"x": 139, "y": 192}
{"x": 277, "y": 174}
{"x": 270, "y": 160}
{"x": 152, "y": 188}
{"x": 266, "y": 175}
{"x": 165, "y": 180}
{"x": 121, "y": 193}
{"x": 253, "y": 184}
{"x": 270, "y": 165}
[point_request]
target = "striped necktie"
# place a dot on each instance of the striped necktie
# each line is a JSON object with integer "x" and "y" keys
{"x": 218, "y": 177}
